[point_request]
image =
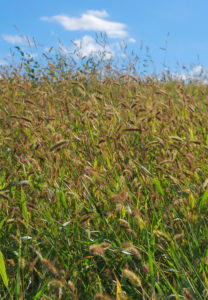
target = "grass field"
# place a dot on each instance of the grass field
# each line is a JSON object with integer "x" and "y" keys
{"x": 103, "y": 187}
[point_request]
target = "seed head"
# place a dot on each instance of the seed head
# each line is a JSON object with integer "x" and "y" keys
{"x": 132, "y": 277}
{"x": 97, "y": 250}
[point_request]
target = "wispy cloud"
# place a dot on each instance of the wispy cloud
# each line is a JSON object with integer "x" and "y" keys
{"x": 94, "y": 20}
{"x": 87, "y": 46}
{"x": 14, "y": 39}
{"x": 132, "y": 40}
{"x": 197, "y": 73}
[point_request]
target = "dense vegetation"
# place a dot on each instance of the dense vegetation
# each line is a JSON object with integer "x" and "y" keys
{"x": 103, "y": 186}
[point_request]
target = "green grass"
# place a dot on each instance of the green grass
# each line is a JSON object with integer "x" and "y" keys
{"x": 103, "y": 188}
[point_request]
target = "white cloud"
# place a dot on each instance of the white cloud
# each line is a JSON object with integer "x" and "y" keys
{"x": 91, "y": 20}
{"x": 98, "y": 13}
{"x": 87, "y": 46}
{"x": 132, "y": 40}
{"x": 197, "y": 73}
{"x": 14, "y": 39}
{"x": 182, "y": 76}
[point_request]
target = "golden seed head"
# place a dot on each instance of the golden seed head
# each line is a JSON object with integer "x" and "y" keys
{"x": 132, "y": 277}
{"x": 97, "y": 250}
{"x": 50, "y": 266}
{"x": 105, "y": 245}
{"x": 71, "y": 286}
{"x": 136, "y": 253}
{"x": 124, "y": 223}
{"x": 127, "y": 246}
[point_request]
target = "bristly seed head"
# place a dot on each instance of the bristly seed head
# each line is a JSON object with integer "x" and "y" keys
{"x": 124, "y": 223}
{"x": 132, "y": 277}
{"x": 50, "y": 266}
{"x": 97, "y": 250}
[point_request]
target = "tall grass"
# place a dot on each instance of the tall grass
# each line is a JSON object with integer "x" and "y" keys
{"x": 103, "y": 183}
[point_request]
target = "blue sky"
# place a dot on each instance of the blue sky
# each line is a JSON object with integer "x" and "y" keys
{"x": 133, "y": 21}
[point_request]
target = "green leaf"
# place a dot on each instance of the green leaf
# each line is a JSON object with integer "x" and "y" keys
{"x": 204, "y": 199}
{"x": 158, "y": 187}
{"x": 2, "y": 222}
{"x": 24, "y": 207}
{"x": 3, "y": 270}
